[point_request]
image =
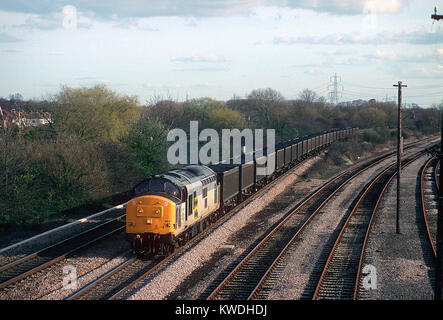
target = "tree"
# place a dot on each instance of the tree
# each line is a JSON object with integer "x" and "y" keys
{"x": 266, "y": 94}
{"x": 308, "y": 96}
{"x": 219, "y": 118}
{"x": 12, "y": 163}
{"x": 15, "y": 97}
{"x": 95, "y": 114}
{"x": 147, "y": 142}
{"x": 371, "y": 117}
{"x": 169, "y": 112}
{"x": 271, "y": 110}
{"x": 266, "y": 102}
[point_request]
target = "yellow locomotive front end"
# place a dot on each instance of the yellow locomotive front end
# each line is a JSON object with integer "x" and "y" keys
{"x": 164, "y": 213}
{"x": 150, "y": 223}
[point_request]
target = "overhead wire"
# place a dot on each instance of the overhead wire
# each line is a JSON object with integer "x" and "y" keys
{"x": 366, "y": 87}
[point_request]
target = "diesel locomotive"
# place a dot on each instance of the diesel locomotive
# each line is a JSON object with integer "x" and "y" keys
{"x": 170, "y": 208}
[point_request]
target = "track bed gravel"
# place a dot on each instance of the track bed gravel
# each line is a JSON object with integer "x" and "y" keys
{"x": 188, "y": 275}
{"x": 404, "y": 268}
{"x": 48, "y": 284}
{"x": 300, "y": 270}
{"x": 39, "y": 242}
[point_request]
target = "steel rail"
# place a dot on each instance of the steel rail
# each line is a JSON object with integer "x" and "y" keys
{"x": 126, "y": 287}
{"x": 268, "y": 273}
{"x": 372, "y": 211}
{"x": 365, "y": 165}
{"x": 357, "y": 284}
{"x": 423, "y": 206}
{"x": 371, "y": 221}
{"x": 121, "y": 291}
{"x": 37, "y": 261}
{"x": 101, "y": 280}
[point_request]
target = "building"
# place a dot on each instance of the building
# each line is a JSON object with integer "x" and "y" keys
{"x": 23, "y": 119}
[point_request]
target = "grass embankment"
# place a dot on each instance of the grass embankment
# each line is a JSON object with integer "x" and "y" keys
{"x": 369, "y": 143}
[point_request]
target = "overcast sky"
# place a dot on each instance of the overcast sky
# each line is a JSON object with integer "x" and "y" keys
{"x": 218, "y": 48}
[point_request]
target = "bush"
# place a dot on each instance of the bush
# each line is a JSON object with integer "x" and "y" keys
{"x": 377, "y": 137}
{"x": 56, "y": 177}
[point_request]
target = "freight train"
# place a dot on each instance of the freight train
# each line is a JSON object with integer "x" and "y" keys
{"x": 168, "y": 209}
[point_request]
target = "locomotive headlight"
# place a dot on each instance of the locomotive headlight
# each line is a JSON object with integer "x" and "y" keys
{"x": 149, "y": 221}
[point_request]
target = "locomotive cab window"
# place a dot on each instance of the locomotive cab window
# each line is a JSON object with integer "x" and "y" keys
{"x": 143, "y": 187}
{"x": 172, "y": 189}
{"x": 156, "y": 185}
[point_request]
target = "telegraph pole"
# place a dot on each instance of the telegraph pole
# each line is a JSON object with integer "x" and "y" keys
{"x": 399, "y": 151}
{"x": 439, "y": 262}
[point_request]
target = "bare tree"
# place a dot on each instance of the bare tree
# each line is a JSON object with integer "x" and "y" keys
{"x": 7, "y": 155}
{"x": 308, "y": 95}
{"x": 269, "y": 109}
{"x": 15, "y": 97}
{"x": 266, "y": 94}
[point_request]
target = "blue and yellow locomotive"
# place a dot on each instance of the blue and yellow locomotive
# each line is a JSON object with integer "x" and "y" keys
{"x": 170, "y": 208}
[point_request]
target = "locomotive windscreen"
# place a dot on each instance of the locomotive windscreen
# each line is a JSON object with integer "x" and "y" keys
{"x": 157, "y": 185}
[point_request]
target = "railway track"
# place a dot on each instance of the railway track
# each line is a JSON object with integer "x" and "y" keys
{"x": 246, "y": 279}
{"x": 33, "y": 263}
{"x": 429, "y": 201}
{"x": 121, "y": 279}
{"x": 132, "y": 274}
{"x": 109, "y": 286}
{"x": 133, "y": 271}
{"x": 341, "y": 272}
{"x": 37, "y": 261}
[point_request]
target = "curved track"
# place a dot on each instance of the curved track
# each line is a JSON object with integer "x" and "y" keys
{"x": 246, "y": 278}
{"x": 429, "y": 202}
{"x": 341, "y": 272}
{"x": 22, "y": 268}
{"x": 134, "y": 270}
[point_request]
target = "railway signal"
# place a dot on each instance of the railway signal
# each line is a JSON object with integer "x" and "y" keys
{"x": 439, "y": 264}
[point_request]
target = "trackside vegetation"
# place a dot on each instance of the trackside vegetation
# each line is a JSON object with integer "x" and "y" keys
{"x": 99, "y": 143}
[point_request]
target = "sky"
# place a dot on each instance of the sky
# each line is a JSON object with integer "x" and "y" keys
{"x": 220, "y": 48}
